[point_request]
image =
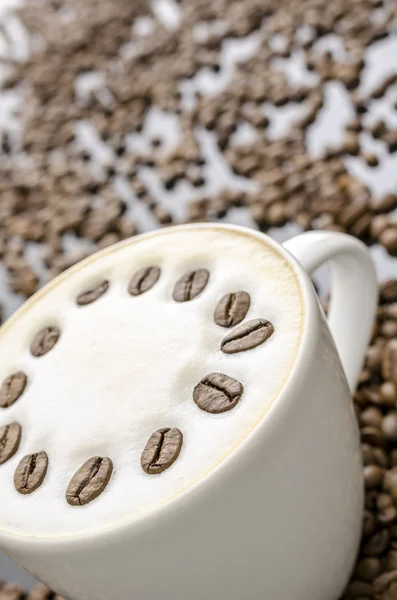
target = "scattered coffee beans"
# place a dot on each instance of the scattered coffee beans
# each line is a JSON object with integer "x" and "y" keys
{"x": 89, "y": 481}
{"x": 190, "y": 285}
{"x": 10, "y": 437}
{"x": 231, "y": 309}
{"x": 44, "y": 341}
{"x": 217, "y": 393}
{"x": 92, "y": 294}
{"x": 30, "y": 472}
{"x": 161, "y": 450}
{"x": 247, "y": 336}
{"x": 12, "y": 388}
{"x": 143, "y": 280}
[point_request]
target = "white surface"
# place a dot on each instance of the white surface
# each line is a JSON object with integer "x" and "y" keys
{"x": 125, "y": 366}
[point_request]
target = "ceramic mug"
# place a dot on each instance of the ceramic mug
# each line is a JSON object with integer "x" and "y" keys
{"x": 280, "y": 517}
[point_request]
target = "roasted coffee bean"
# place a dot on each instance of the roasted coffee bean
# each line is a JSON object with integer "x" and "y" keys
{"x": 190, "y": 285}
{"x": 359, "y": 589}
{"x": 385, "y": 586}
{"x": 217, "y": 393}
{"x": 30, "y": 472}
{"x": 10, "y": 437}
{"x": 143, "y": 280}
{"x": 389, "y": 329}
{"x": 389, "y": 427}
{"x": 89, "y": 481}
{"x": 247, "y": 336}
{"x": 371, "y": 416}
{"x": 388, "y": 239}
{"x": 12, "y": 388}
{"x": 10, "y": 591}
{"x": 92, "y": 293}
{"x": 161, "y": 450}
{"x": 389, "y": 361}
{"x": 367, "y": 568}
{"x": 388, "y": 291}
{"x": 377, "y": 544}
{"x": 44, "y": 341}
{"x": 232, "y": 309}
{"x": 390, "y": 483}
{"x": 373, "y": 436}
{"x": 373, "y": 476}
{"x": 388, "y": 392}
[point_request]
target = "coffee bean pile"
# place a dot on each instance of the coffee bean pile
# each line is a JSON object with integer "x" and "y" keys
{"x": 54, "y": 189}
{"x": 15, "y": 592}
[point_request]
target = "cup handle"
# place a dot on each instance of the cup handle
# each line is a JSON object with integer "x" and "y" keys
{"x": 354, "y": 291}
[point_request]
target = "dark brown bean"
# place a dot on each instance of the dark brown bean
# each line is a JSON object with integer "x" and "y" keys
{"x": 232, "y": 309}
{"x": 89, "y": 296}
{"x": 389, "y": 426}
{"x": 369, "y": 523}
{"x": 388, "y": 392}
{"x": 12, "y": 388}
{"x": 143, "y": 280}
{"x": 89, "y": 481}
{"x": 30, "y": 472}
{"x": 247, "y": 336}
{"x": 388, "y": 291}
{"x": 367, "y": 568}
{"x": 389, "y": 361}
{"x": 10, "y": 437}
{"x": 190, "y": 285}
{"x": 373, "y": 476}
{"x": 385, "y": 586}
{"x": 377, "y": 544}
{"x": 161, "y": 450}
{"x": 44, "y": 341}
{"x": 217, "y": 393}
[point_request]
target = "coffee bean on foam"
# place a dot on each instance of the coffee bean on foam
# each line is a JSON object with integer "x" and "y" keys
{"x": 125, "y": 368}
{"x": 12, "y": 388}
{"x": 31, "y": 472}
{"x": 44, "y": 341}
{"x": 143, "y": 280}
{"x": 161, "y": 450}
{"x": 232, "y": 309}
{"x": 93, "y": 293}
{"x": 10, "y": 437}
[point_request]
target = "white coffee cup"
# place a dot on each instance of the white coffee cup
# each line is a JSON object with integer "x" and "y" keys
{"x": 281, "y": 516}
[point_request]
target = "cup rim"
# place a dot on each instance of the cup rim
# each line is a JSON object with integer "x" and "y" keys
{"x": 273, "y": 417}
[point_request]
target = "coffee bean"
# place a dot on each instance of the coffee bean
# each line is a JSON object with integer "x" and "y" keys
{"x": 387, "y": 516}
{"x": 10, "y": 437}
{"x": 377, "y": 544}
{"x": 44, "y": 341}
{"x": 373, "y": 476}
{"x": 372, "y": 416}
{"x": 190, "y": 285}
{"x": 389, "y": 361}
{"x": 30, "y": 472}
{"x": 389, "y": 427}
{"x": 92, "y": 294}
{"x": 388, "y": 239}
{"x": 143, "y": 280}
{"x": 388, "y": 392}
{"x": 389, "y": 329}
{"x": 390, "y": 482}
{"x": 232, "y": 309}
{"x": 12, "y": 388}
{"x": 388, "y": 291}
{"x": 372, "y": 435}
{"x": 89, "y": 481}
{"x": 217, "y": 393}
{"x": 161, "y": 450}
{"x": 385, "y": 586}
{"x": 247, "y": 336}
{"x": 367, "y": 568}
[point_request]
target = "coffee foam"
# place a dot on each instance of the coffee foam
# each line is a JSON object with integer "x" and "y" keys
{"x": 125, "y": 366}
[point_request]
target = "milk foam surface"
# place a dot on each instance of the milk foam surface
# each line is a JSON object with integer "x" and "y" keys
{"x": 125, "y": 366}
